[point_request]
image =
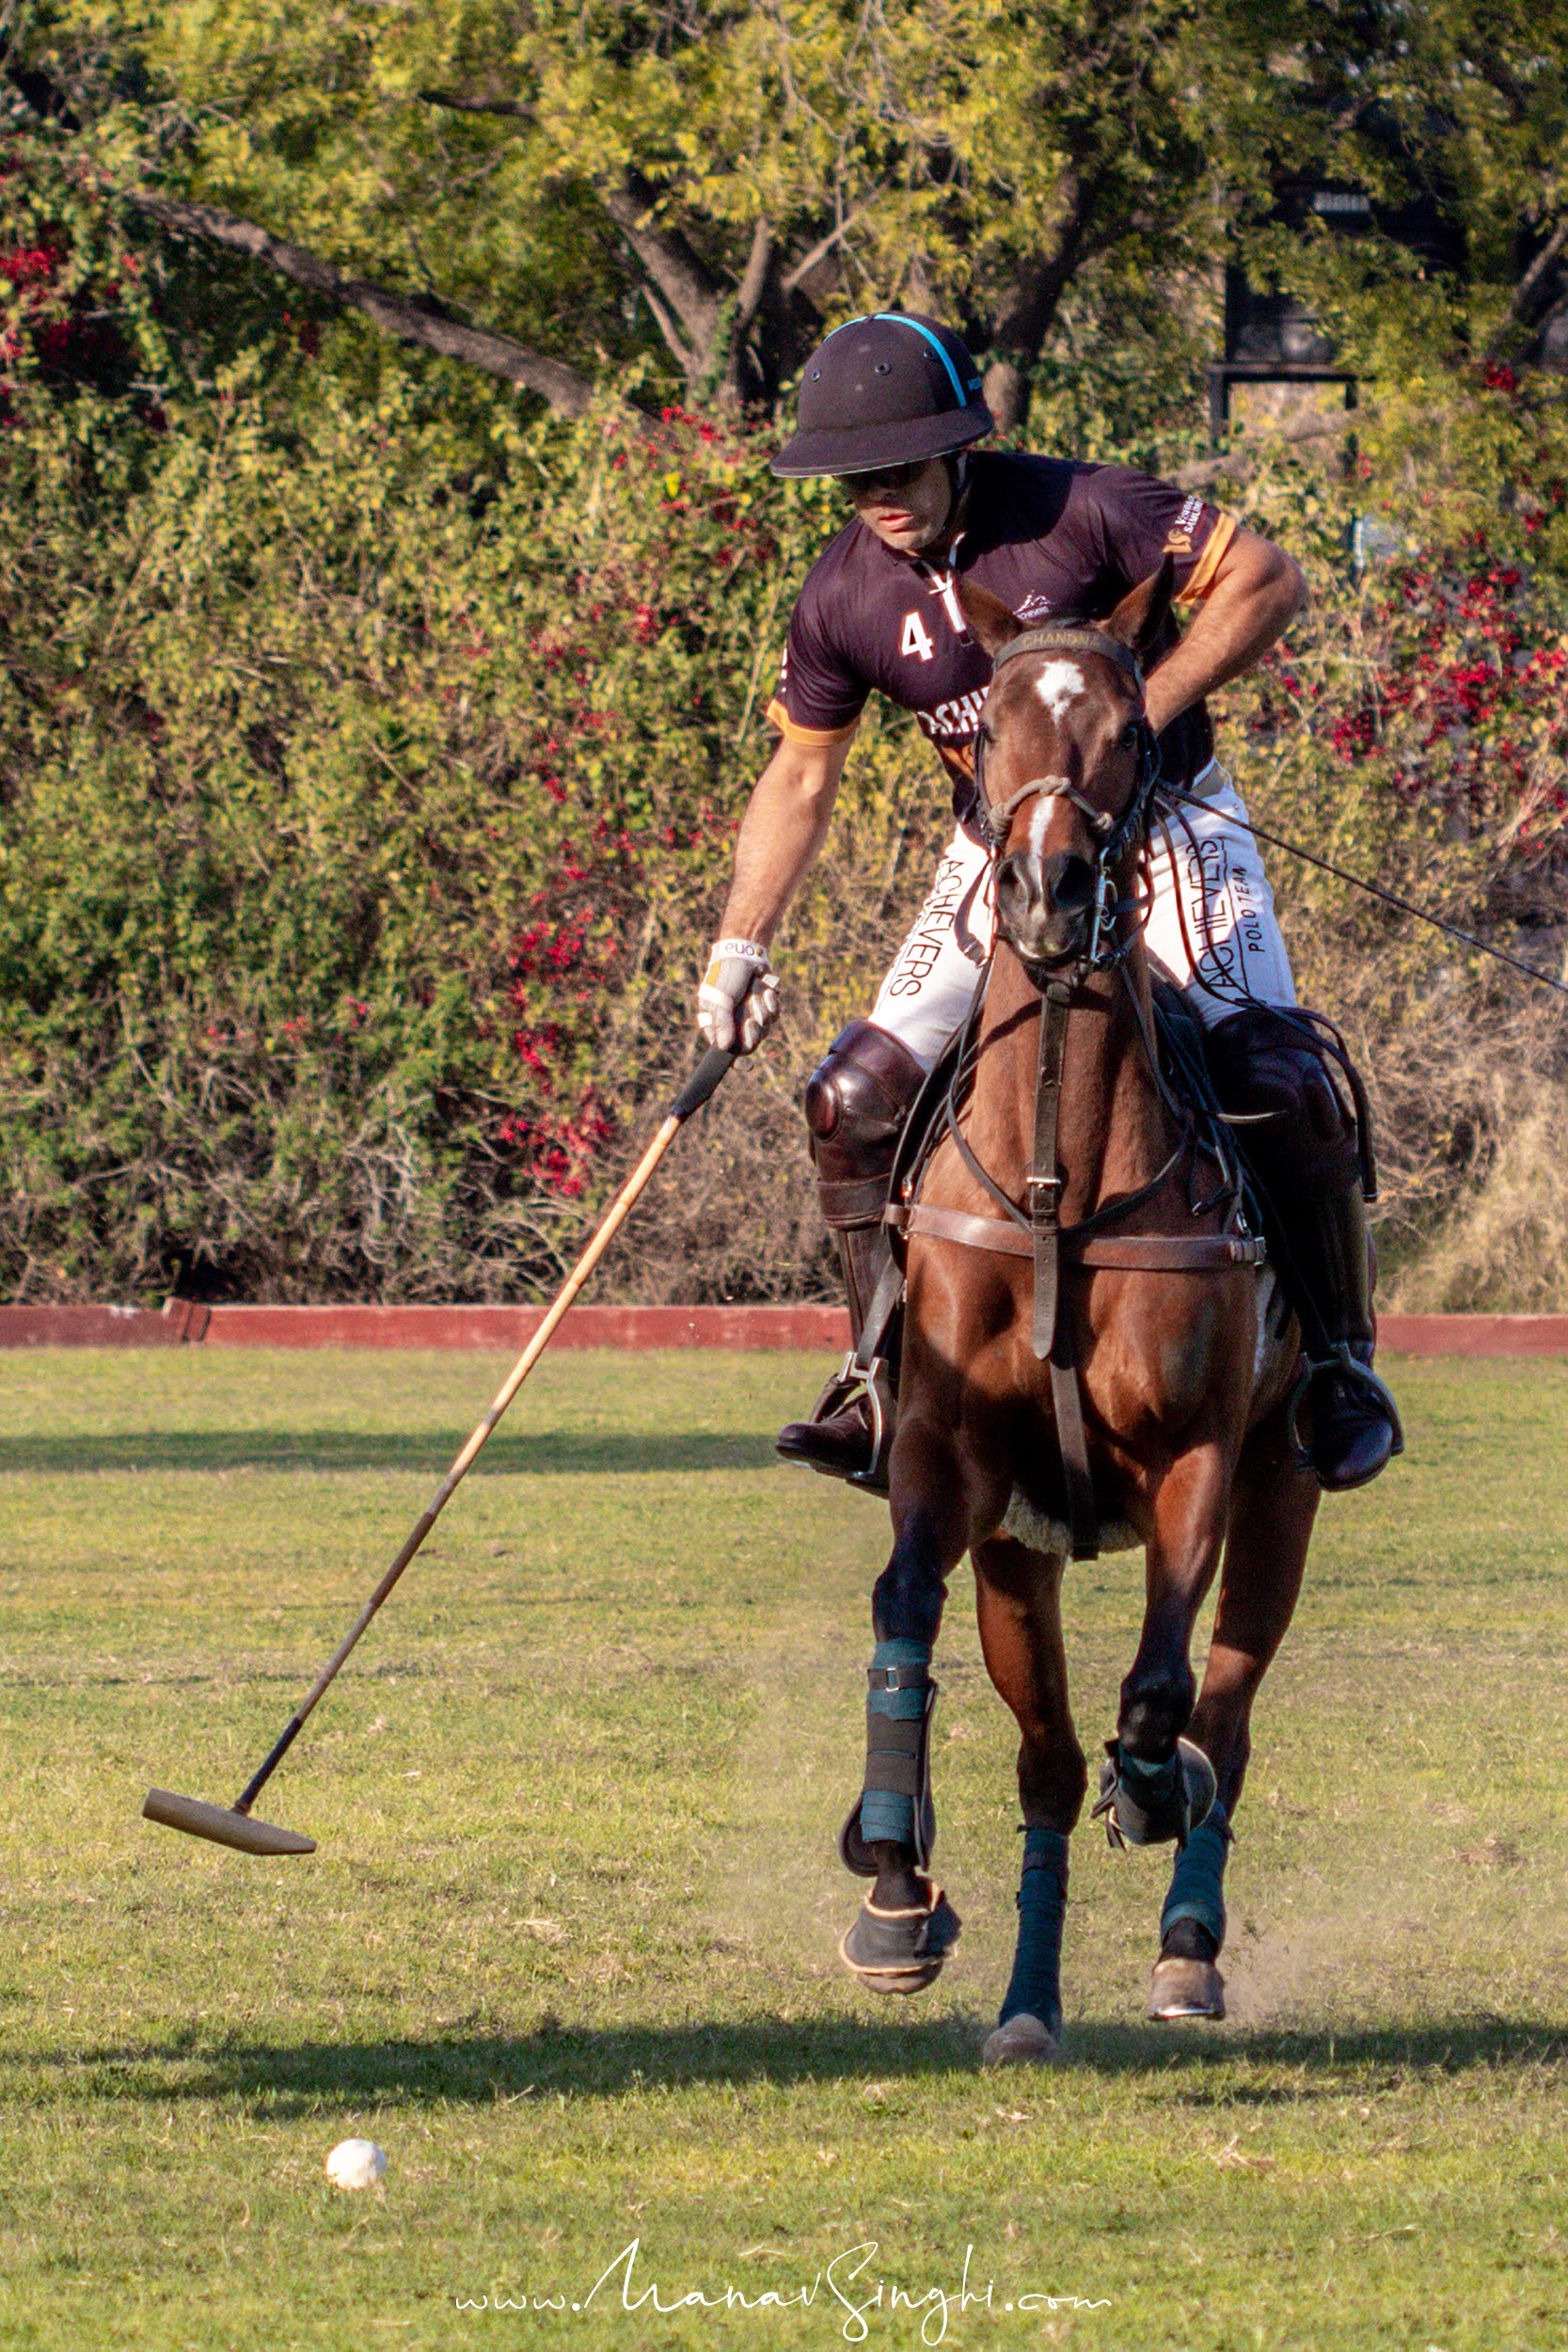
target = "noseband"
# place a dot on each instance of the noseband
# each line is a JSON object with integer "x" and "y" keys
{"x": 1112, "y": 834}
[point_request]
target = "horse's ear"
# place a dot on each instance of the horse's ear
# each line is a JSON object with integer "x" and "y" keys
{"x": 988, "y": 617}
{"x": 1142, "y": 613}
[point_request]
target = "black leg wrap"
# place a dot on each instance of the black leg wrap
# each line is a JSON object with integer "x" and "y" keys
{"x": 1150, "y": 1809}
{"x": 901, "y": 1951}
{"x": 898, "y": 1764}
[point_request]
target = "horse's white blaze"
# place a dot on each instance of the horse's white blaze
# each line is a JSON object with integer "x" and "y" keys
{"x": 1037, "y": 823}
{"x": 1058, "y": 684}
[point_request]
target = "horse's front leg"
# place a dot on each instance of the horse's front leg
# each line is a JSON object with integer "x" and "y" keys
{"x": 1153, "y": 1788}
{"x": 1019, "y": 1591}
{"x": 1273, "y": 1504}
{"x": 906, "y": 1927}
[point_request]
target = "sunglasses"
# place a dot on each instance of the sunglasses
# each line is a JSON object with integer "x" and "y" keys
{"x": 885, "y": 478}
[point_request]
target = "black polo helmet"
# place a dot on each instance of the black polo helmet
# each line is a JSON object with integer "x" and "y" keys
{"x": 886, "y": 390}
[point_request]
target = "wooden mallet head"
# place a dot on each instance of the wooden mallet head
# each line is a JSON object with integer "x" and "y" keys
{"x": 222, "y": 1825}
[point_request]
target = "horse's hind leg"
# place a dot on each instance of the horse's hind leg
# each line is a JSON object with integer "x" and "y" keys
{"x": 1018, "y": 1596}
{"x": 1274, "y": 1503}
{"x": 906, "y": 1927}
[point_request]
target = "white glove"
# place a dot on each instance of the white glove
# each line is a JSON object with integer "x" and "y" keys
{"x": 739, "y": 1001}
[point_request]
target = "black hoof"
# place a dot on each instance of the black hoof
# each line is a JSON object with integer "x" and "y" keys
{"x": 1132, "y": 1820}
{"x": 901, "y": 1951}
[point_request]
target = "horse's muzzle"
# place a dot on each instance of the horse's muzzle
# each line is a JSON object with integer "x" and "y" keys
{"x": 1044, "y": 906}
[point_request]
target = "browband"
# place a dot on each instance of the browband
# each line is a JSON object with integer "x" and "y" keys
{"x": 1065, "y": 638}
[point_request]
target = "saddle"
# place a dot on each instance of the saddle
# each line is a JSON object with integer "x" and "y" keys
{"x": 1182, "y": 1067}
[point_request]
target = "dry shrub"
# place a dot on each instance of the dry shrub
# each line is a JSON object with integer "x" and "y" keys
{"x": 1468, "y": 1082}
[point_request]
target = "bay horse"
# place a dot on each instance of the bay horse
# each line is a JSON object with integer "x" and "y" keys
{"x": 1094, "y": 1353}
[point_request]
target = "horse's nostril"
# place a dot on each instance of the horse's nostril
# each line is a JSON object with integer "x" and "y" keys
{"x": 1068, "y": 882}
{"x": 1017, "y": 886}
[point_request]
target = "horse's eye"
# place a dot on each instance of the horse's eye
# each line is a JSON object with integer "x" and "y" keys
{"x": 1130, "y": 735}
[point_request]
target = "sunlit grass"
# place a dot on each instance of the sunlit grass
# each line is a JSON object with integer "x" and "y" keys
{"x": 566, "y": 1951}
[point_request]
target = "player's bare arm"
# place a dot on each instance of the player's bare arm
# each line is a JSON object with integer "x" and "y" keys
{"x": 1255, "y": 593}
{"x": 783, "y": 829}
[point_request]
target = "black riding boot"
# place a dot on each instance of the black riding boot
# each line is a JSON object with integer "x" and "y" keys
{"x": 856, "y": 1105}
{"x": 1304, "y": 1157}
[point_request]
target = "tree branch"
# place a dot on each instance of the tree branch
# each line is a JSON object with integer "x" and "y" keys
{"x": 459, "y": 104}
{"x": 682, "y": 278}
{"x": 1518, "y": 309}
{"x": 684, "y": 357}
{"x": 753, "y": 283}
{"x": 567, "y": 392}
{"x": 820, "y": 250}
{"x": 1030, "y": 302}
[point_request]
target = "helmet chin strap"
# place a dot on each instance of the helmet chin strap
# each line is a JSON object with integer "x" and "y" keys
{"x": 959, "y": 467}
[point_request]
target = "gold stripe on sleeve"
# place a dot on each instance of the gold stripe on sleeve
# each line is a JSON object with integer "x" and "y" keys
{"x": 1198, "y": 587}
{"x": 778, "y": 717}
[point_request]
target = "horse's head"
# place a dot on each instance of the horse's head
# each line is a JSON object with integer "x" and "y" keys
{"x": 1064, "y": 768}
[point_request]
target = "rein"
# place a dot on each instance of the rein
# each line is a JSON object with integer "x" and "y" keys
{"x": 1036, "y": 1230}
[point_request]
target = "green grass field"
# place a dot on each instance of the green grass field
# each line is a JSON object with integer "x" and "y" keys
{"x": 566, "y": 1951}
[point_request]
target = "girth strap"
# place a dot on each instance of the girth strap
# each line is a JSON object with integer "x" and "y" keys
{"x": 1125, "y": 1253}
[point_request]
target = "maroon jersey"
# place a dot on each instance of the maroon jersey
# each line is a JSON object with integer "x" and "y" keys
{"x": 1055, "y": 540}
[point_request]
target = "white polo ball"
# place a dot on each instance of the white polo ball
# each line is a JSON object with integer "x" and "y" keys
{"x": 356, "y": 2163}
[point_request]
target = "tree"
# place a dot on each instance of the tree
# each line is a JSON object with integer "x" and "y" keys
{"x": 550, "y": 195}
{"x": 712, "y": 183}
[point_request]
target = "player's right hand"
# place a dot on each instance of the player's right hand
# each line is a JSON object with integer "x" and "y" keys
{"x": 739, "y": 1001}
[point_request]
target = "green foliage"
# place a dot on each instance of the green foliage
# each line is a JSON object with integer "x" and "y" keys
{"x": 366, "y": 795}
{"x": 370, "y": 747}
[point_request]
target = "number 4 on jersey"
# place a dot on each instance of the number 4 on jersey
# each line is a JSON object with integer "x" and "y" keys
{"x": 916, "y": 637}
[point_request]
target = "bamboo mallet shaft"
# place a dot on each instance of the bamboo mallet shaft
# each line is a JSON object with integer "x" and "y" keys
{"x": 703, "y": 1080}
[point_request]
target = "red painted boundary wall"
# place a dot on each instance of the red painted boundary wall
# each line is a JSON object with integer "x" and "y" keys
{"x": 511, "y": 1328}
{"x": 507, "y": 1327}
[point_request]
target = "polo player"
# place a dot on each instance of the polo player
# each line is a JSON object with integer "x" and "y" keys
{"x": 892, "y": 406}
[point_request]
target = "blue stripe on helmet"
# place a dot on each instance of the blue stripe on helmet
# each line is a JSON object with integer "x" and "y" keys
{"x": 897, "y": 317}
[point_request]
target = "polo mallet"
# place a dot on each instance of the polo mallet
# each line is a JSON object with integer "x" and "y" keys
{"x": 232, "y": 1825}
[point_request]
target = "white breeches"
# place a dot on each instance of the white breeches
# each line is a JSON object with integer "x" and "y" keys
{"x": 1211, "y": 925}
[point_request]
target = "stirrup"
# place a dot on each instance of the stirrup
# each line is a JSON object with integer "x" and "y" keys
{"x": 1345, "y": 1363}
{"x": 853, "y": 1382}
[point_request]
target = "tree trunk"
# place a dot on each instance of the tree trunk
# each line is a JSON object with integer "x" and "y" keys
{"x": 683, "y": 296}
{"x": 1030, "y": 304}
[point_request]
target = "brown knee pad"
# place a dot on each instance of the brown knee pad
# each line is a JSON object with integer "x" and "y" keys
{"x": 857, "y": 1103}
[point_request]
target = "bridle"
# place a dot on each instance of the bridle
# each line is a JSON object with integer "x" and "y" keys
{"x": 1114, "y": 834}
